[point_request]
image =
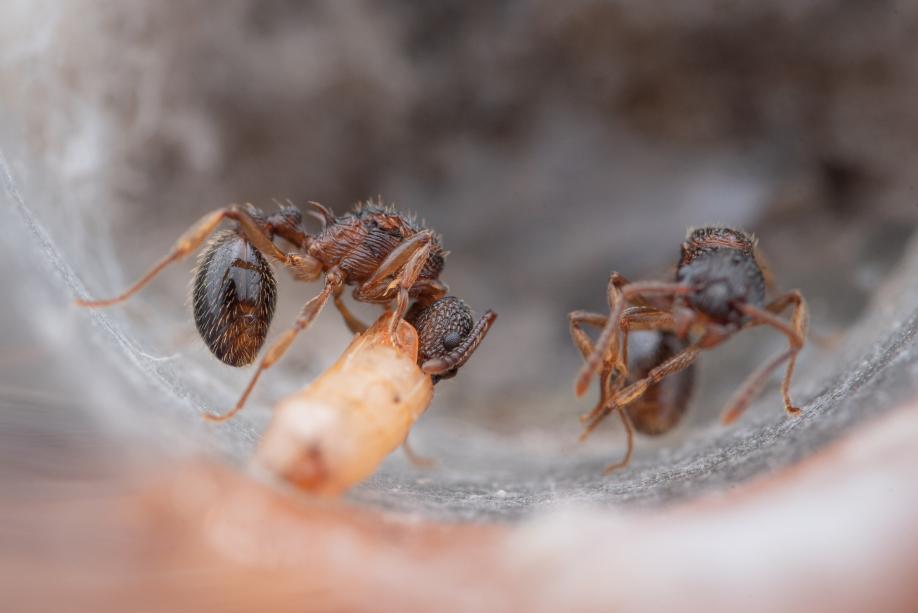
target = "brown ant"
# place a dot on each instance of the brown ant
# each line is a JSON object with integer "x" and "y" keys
{"x": 719, "y": 289}
{"x": 380, "y": 251}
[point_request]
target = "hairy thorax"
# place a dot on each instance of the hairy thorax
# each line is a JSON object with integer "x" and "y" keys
{"x": 359, "y": 242}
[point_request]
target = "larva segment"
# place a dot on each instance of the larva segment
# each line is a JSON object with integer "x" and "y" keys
{"x": 336, "y": 432}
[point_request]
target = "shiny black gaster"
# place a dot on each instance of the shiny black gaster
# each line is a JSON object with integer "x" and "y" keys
{"x": 234, "y": 296}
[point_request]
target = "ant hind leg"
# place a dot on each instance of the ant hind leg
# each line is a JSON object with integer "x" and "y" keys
{"x": 305, "y": 266}
{"x": 353, "y": 323}
{"x": 310, "y": 310}
{"x": 629, "y": 444}
{"x": 796, "y": 337}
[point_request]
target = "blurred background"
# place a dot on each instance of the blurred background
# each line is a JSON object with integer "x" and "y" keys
{"x": 550, "y": 143}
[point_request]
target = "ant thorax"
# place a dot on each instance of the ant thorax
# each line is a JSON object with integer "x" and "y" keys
{"x": 720, "y": 264}
{"x": 359, "y": 241}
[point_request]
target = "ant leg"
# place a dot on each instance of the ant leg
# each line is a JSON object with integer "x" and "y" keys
{"x": 628, "y": 395}
{"x": 605, "y": 346}
{"x": 397, "y": 260}
{"x": 461, "y": 354}
{"x": 406, "y": 263}
{"x": 417, "y": 460}
{"x": 750, "y": 389}
{"x": 404, "y": 281}
{"x": 629, "y": 449}
{"x": 633, "y": 318}
{"x": 780, "y": 304}
{"x": 576, "y": 319}
{"x": 333, "y": 282}
{"x": 195, "y": 236}
{"x": 352, "y": 322}
{"x": 607, "y": 388}
{"x": 619, "y": 295}
{"x": 795, "y": 333}
{"x": 605, "y": 392}
{"x": 641, "y": 318}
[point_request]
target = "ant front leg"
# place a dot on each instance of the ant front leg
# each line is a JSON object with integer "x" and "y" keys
{"x": 620, "y": 293}
{"x": 605, "y": 344}
{"x": 584, "y": 344}
{"x": 305, "y": 266}
{"x": 605, "y": 392}
{"x": 632, "y": 318}
{"x": 796, "y": 337}
{"x": 333, "y": 282}
{"x": 823, "y": 341}
{"x": 405, "y": 263}
{"x": 577, "y": 319}
{"x": 633, "y": 392}
{"x": 352, "y": 322}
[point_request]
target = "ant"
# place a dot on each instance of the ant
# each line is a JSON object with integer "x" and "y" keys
{"x": 385, "y": 254}
{"x": 719, "y": 289}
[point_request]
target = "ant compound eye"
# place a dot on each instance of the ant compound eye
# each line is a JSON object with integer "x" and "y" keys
{"x": 451, "y": 340}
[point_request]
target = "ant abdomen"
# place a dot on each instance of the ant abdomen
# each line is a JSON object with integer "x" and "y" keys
{"x": 233, "y": 298}
{"x": 664, "y": 403}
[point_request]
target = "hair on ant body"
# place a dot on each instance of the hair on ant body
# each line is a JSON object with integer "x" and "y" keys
{"x": 381, "y": 252}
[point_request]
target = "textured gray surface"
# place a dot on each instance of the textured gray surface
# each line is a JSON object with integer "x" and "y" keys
{"x": 548, "y": 144}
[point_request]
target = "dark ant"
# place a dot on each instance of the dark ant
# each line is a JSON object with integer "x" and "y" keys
{"x": 380, "y": 251}
{"x": 720, "y": 289}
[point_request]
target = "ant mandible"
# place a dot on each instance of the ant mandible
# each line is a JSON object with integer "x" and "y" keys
{"x": 447, "y": 334}
{"x": 720, "y": 289}
{"x": 380, "y": 251}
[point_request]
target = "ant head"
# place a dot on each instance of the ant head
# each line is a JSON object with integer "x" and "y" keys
{"x": 442, "y": 327}
{"x": 722, "y": 278}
